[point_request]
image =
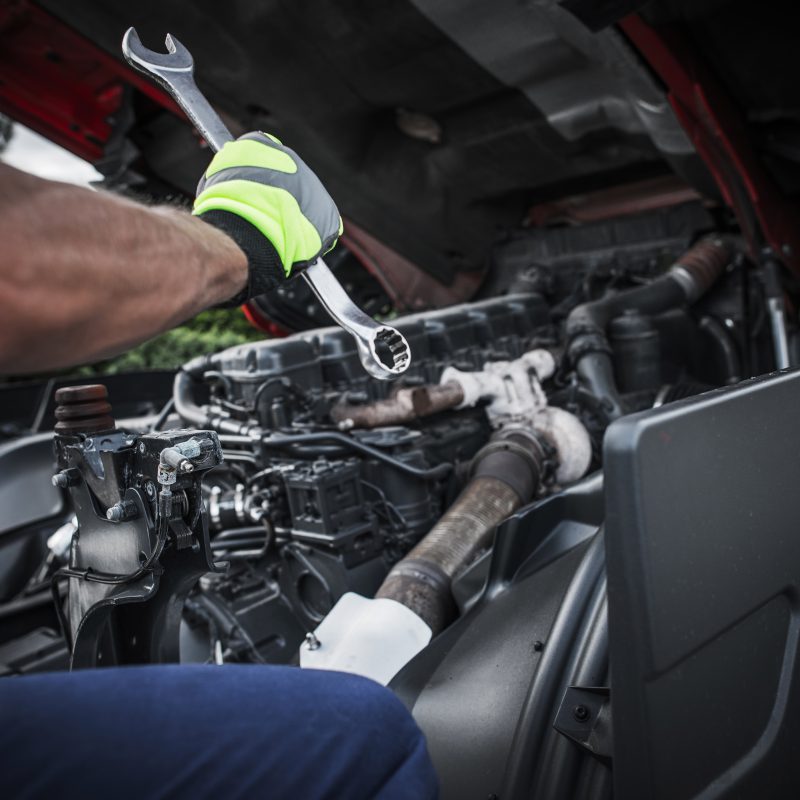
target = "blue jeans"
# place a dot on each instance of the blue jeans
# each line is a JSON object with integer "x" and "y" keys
{"x": 208, "y": 732}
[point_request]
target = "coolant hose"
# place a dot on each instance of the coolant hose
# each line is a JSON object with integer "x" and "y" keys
{"x": 685, "y": 282}
{"x": 183, "y": 397}
{"x": 506, "y": 475}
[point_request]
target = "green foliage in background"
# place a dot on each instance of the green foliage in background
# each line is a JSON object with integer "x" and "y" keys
{"x": 208, "y": 332}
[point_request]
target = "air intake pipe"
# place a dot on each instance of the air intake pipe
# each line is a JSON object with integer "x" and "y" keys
{"x": 506, "y": 474}
{"x": 685, "y": 282}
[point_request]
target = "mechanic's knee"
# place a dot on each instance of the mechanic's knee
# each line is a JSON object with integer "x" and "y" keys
{"x": 386, "y": 746}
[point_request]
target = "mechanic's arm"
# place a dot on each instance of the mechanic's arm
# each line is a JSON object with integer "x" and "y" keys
{"x": 85, "y": 275}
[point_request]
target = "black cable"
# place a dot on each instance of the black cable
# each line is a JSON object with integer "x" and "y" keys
{"x": 227, "y": 621}
{"x": 232, "y": 543}
{"x": 285, "y": 383}
{"x": 108, "y": 578}
{"x": 262, "y": 474}
{"x": 63, "y": 623}
{"x": 113, "y": 579}
{"x": 163, "y": 414}
{"x": 221, "y": 377}
{"x": 239, "y": 455}
{"x": 237, "y": 533}
{"x": 288, "y": 441}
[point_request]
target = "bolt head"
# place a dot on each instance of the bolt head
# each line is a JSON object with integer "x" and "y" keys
{"x": 66, "y": 478}
{"x": 312, "y": 643}
{"x": 581, "y": 713}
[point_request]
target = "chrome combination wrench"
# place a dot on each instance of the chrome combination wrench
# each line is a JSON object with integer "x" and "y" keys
{"x": 383, "y": 351}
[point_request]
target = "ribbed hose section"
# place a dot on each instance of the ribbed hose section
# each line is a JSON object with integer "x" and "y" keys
{"x": 464, "y": 530}
{"x": 705, "y": 263}
{"x": 506, "y": 475}
{"x": 421, "y": 581}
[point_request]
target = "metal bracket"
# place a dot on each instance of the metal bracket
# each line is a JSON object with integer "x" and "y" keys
{"x": 585, "y": 717}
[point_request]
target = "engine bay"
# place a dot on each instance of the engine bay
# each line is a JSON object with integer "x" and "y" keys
{"x": 286, "y": 507}
{"x": 564, "y": 536}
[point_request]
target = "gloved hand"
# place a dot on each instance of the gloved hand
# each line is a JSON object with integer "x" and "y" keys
{"x": 264, "y": 196}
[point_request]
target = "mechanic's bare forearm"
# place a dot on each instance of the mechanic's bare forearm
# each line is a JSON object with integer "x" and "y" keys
{"x": 84, "y": 275}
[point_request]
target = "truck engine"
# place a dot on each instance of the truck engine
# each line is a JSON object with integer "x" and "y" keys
{"x": 563, "y": 533}
{"x": 282, "y": 495}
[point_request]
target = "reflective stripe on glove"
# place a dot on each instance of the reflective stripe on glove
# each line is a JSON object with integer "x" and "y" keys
{"x": 276, "y": 209}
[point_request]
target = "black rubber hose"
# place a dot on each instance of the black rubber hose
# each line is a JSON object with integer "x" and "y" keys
{"x": 587, "y": 346}
{"x": 187, "y": 408}
{"x": 183, "y": 397}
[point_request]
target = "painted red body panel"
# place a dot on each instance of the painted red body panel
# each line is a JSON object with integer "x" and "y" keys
{"x": 717, "y": 129}
{"x": 61, "y": 85}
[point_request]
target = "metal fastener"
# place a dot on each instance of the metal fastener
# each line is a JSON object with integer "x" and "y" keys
{"x": 581, "y": 713}
{"x": 123, "y": 510}
{"x": 66, "y": 478}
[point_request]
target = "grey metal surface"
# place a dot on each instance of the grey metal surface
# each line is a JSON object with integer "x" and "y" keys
{"x": 778, "y": 325}
{"x": 582, "y": 82}
{"x": 383, "y": 351}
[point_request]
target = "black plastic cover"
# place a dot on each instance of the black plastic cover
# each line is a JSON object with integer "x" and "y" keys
{"x": 703, "y": 558}
{"x": 470, "y": 690}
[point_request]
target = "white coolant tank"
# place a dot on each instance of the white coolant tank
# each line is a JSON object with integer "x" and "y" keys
{"x": 374, "y": 637}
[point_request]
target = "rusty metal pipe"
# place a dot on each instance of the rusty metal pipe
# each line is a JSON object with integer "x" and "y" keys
{"x": 404, "y": 406}
{"x": 506, "y": 475}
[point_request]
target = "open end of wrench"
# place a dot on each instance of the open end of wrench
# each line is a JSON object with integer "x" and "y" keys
{"x": 388, "y": 356}
{"x": 176, "y": 59}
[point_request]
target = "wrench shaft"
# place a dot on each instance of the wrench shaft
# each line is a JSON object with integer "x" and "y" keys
{"x": 199, "y": 110}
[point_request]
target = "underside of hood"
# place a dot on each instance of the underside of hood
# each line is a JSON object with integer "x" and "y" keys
{"x": 435, "y": 125}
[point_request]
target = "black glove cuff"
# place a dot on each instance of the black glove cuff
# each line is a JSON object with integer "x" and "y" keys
{"x": 264, "y": 267}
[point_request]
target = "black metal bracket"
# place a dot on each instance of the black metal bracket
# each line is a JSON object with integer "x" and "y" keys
{"x": 585, "y": 717}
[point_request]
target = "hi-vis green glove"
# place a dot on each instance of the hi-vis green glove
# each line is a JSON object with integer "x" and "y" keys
{"x": 272, "y": 205}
